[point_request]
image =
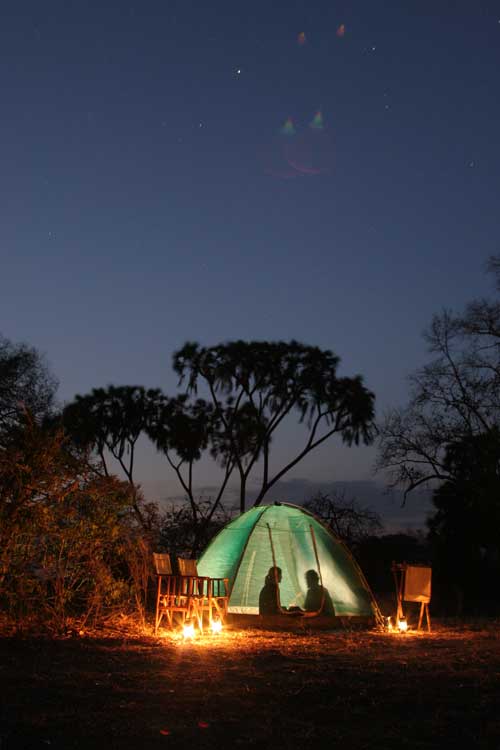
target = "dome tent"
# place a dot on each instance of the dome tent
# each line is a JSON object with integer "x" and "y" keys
{"x": 297, "y": 542}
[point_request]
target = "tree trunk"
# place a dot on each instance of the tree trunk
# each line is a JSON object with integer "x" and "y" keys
{"x": 242, "y": 493}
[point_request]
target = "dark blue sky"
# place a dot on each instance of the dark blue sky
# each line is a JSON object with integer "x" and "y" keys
{"x": 148, "y": 195}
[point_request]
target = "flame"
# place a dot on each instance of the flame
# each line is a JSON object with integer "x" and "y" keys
{"x": 216, "y": 626}
{"x": 188, "y": 630}
{"x": 402, "y": 625}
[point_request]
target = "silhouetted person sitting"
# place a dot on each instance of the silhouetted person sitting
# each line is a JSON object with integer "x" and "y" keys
{"x": 317, "y": 598}
{"x": 269, "y": 597}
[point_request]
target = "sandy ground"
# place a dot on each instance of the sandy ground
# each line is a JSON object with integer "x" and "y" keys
{"x": 125, "y": 689}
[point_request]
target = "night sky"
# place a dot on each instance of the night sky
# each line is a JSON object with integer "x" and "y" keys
{"x": 174, "y": 170}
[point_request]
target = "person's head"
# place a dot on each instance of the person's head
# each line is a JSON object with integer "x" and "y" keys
{"x": 312, "y": 578}
{"x": 274, "y": 574}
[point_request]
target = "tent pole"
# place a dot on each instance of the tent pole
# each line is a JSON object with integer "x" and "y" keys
{"x": 275, "y": 569}
{"x": 322, "y": 604}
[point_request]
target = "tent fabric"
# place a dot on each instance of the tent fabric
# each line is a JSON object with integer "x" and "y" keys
{"x": 243, "y": 552}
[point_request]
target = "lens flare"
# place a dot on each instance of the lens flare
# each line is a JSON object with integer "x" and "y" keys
{"x": 317, "y": 121}
{"x": 311, "y": 152}
{"x": 288, "y": 128}
{"x": 290, "y": 153}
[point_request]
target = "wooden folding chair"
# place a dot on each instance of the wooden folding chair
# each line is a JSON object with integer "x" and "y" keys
{"x": 173, "y": 594}
{"x": 210, "y": 595}
{"x": 413, "y": 584}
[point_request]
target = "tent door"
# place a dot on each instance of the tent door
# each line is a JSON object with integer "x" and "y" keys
{"x": 322, "y": 603}
{"x": 275, "y": 568}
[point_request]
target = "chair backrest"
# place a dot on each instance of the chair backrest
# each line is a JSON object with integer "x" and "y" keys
{"x": 187, "y": 567}
{"x": 417, "y": 583}
{"x": 163, "y": 566}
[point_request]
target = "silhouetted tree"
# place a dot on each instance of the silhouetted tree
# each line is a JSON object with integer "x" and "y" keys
{"x": 465, "y": 529}
{"x": 26, "y": 384}
{"x": 110, "y": 422}
{"x": 453, "y": 399}
{"x": 182, "y": 536}
{"x": 255, "y": 386}
{"x": 346, "y": 518}
{"x": 182, "y": 431}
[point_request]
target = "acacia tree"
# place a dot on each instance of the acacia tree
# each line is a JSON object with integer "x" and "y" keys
{"x": 182, "y": 431}
{"x": 453, "y": 398}
{"x": 26, "y": 384}
{"x": 254, "y": 386}
{"x": 110, "y": 422}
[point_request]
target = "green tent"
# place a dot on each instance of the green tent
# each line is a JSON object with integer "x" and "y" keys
{"x": 293, "y": 539}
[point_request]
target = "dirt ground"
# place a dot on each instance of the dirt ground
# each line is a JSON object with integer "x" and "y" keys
{"x": 254, "y": 689}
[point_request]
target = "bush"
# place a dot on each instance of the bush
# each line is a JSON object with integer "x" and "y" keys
{"x": 69, "y": 542}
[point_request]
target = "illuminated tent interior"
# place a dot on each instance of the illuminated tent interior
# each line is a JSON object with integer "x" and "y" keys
{"x": 297, "y": 542}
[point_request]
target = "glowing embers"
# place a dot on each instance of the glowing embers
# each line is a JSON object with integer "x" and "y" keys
{"x": 301, "y": 152}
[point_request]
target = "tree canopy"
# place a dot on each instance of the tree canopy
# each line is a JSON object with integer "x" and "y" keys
{"x": 26, "y": 385}
{"x": 249, "y": 390}
{"x": 454, "y": 397}
{"x": 110, "y": 421}
{"x": 254, "y": 386}
{"x": 182, "y": 430}
{"x": 465, "y": 528}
